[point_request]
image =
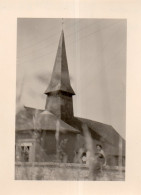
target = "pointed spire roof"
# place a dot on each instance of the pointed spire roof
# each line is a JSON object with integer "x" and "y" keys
{"x": 60, "y": 80}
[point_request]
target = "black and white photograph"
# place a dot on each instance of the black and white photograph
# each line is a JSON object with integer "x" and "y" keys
{"x": 70, "y": 120}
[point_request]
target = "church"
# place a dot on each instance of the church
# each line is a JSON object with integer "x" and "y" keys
{"x": 41, "y": 134}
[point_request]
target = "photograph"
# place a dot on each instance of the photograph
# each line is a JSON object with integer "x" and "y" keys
{"x": 70, "y": 120}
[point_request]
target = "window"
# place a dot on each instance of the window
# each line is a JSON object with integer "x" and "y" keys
{"x": 23, "y": 152}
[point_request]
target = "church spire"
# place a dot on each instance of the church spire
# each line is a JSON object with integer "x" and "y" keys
{"x": 60, "y": 80}
{"x": 59, "y": 92}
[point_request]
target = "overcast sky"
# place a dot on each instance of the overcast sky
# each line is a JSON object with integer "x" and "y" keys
{"x": 96, "y": 53}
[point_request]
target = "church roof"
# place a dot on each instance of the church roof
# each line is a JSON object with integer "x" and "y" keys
{"x": 60, "y": 79}
{"x": 107, "y": 134}
{"x": 44, "y": 120}
{"x": 24, "y": 118}
{"x": 104, "y": 130}
{"x": 100, "y": 132}
{"x": 48, "y": 121}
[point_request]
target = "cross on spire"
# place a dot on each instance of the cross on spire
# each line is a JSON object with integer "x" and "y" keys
{"x": 62, "y": 23}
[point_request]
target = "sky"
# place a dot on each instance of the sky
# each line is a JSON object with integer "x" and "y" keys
{"x": 96, "y": 54}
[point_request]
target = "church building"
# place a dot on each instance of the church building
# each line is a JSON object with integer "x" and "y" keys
{"x": 44, "y": 134}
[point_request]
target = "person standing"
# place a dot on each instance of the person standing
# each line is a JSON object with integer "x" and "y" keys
{"x": 96, "y": 163}
{"x": 100, "y": 155}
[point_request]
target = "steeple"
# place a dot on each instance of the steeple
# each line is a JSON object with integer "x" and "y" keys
{"x": 59, "y": 91}
{"x": 60, "y": 80}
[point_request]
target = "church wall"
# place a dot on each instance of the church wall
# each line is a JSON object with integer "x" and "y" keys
{"x": 60, "y": 104}
{"x": 66, "y": 107}
{"x": 115, "y": 154}
{"x": 43, "y": 147}
{"x": 23, "y": 134}
{"x": 53, "y": 104}
{"x": 70, "y": 146}
{"x": 46, "y": 147}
